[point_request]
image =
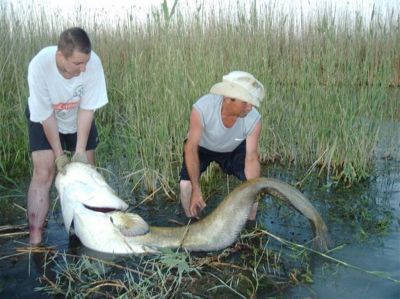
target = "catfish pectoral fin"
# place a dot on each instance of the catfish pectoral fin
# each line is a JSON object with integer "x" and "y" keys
{"x": 129, "y": 224}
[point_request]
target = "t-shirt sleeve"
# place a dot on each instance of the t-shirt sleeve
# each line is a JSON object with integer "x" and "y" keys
{"x": 95, "y": 93}
{"x": 204, "y": 106}
{"x": 39, "y": 101}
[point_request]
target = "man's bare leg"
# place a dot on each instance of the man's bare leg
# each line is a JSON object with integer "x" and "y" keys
{"x": 38, "y": 193}
{"x": 253, "y": 212}
{"x": 185, "y": 194}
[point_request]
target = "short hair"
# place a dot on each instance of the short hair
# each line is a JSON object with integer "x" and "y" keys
{"x": 74, "y": 39}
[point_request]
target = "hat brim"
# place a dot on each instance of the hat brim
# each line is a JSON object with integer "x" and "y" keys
{"x": 235, "y": 91}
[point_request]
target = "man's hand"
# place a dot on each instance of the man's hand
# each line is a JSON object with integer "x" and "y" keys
{"x": 61, "y": 162}
{"x": 197, "y": 204}
{"x": 80, "y": 157}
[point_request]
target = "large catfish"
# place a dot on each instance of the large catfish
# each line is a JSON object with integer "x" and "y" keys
{"x": 101, "y": 223}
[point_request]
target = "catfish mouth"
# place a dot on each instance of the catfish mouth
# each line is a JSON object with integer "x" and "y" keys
{"x": 101, "y": 209}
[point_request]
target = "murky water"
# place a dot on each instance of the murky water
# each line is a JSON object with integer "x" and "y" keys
{"x": 363, "y": 245}
{"x": 367, "y": 250}
{"x": 356, "y": 231}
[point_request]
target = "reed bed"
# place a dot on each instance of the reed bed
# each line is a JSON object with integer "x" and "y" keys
{"x": 330, "y": 83}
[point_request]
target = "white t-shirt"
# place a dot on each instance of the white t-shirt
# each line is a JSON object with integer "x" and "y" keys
{"x": 216, "y": 137}
{"x": 49, "y": 91}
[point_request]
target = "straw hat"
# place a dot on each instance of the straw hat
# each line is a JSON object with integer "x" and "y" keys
{"x": 240, "y": 85}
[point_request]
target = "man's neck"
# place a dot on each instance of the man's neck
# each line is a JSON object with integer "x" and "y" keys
{"x": 228, "y": 118}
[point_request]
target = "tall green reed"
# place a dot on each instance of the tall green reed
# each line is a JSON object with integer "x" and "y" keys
{"x": 326, "y": 78}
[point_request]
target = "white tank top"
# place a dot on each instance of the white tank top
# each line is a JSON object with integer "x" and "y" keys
{"x": 216, "y": 137}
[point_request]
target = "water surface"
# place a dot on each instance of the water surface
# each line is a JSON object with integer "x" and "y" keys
{"x": 364, "y": 223}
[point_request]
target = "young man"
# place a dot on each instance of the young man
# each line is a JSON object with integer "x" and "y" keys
{"x": 224, "y": 127}
{"x": 66, "y": 85}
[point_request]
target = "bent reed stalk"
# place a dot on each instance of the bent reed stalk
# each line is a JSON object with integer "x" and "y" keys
{"x": 327, "y": 81}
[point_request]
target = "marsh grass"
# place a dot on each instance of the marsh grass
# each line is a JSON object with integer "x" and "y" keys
{"x": 244, "y": 270}
{"x": 327, "y": 81}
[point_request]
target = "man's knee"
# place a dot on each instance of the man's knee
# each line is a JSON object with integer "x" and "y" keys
{"x": 43, "y": 176}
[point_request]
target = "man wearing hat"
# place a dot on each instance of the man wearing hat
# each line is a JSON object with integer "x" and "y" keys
{"x": 224, "y": 128}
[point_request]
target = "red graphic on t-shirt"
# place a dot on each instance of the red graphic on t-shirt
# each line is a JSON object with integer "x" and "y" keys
{"x": 65, "y": 106}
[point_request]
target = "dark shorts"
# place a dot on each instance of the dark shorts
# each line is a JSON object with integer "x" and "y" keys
{"x": 232, "y": 163}
{"x": 38, "y": 140}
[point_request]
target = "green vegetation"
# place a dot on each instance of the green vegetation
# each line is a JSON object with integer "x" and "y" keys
{"x": 367, "y": 215}
{"x": 329, "y": 85}
{"x": 243, "y": 271}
